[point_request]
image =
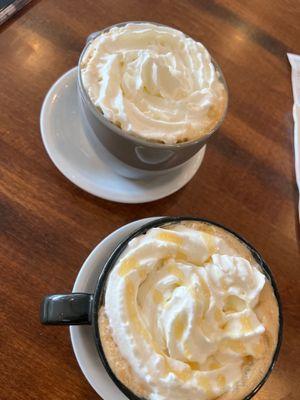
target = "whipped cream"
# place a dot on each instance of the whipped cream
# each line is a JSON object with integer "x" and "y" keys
{"x": 181, "y": 306}
{"x": 154, "y": 82}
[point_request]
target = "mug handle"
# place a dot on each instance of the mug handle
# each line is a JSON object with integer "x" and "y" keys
{"x": 67, "y": 309}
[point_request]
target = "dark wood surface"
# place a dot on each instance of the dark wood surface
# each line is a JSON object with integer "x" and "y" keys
{"x": 49, "y": 226}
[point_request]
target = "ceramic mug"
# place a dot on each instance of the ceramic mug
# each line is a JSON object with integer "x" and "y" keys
{"x": 131, "y": 156}
{"x": 83, "y": 308}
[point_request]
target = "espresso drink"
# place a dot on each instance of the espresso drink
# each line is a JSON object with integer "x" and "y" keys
{"x": 154, "y": 82}
{"x": 188, "y": 314}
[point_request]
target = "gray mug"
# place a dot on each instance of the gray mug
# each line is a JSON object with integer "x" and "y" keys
{"x": 128, "y": 155}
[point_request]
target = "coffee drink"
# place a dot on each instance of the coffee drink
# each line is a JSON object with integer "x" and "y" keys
{"x": 154, "y": 82}
{"x": 188, "y": 313}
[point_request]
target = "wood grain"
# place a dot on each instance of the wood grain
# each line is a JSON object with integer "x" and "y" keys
{"x": 49, "y": 226}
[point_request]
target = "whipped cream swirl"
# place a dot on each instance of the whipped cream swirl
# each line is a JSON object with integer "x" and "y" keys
{"x": 181, "y": 306}
{"x": 154, "y": 82}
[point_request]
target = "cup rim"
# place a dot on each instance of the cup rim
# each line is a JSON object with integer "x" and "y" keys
{"x": 132, "y": 136}
{"x": 100, "y": 293}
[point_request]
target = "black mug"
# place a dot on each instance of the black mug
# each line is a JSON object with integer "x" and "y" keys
{"x": 83, "y": 308}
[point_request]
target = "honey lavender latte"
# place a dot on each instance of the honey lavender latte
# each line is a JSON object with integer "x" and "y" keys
{"x": 188, "y": 313}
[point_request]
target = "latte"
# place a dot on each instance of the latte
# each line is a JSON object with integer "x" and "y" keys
{"x": 188, "y": 313}
{"x": 154, "y": 82}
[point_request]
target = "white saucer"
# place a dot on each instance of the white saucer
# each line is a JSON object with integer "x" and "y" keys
{"x": 77, "y": 154}
{"x": 82, "y": 336}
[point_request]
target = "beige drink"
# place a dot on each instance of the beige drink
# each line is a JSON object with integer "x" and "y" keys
{"x": 188, "y": 314}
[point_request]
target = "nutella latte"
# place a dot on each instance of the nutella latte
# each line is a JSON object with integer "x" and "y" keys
{"x": 188, "y": 313}
{"x": 154, "y": 82}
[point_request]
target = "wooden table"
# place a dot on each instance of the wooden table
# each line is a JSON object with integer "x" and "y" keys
{"x": 49, "y": 226}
